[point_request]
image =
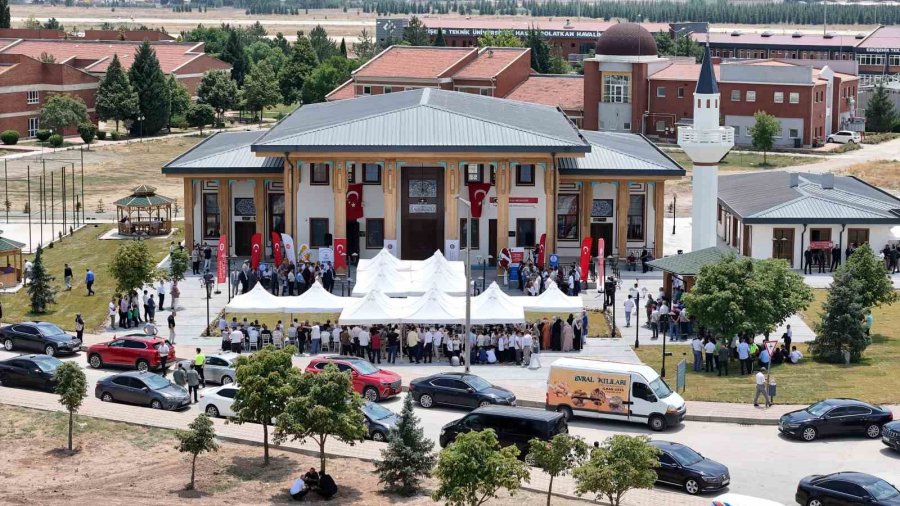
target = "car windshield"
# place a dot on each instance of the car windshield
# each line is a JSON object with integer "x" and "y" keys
{"x": 47, "y": 364}
{"x": 819, "y": 408}
{"x": 49, "y": 329}
{"x": 660, "y": 388}
{"x": 155, "y": 382}
{"x": 685, "y": 456}
{"x": 376, "y": 411}
{"x": 363, "y": 367}
{"x": 882, "y": 490}
{"x": 478, "y": 383}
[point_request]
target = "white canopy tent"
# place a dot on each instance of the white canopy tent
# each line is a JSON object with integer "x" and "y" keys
{"x": 383, "y": 279}
{"x": 374, "y": 308}
{"x": 257, "y": 300}
{"x": 411, "y": 278}
{"x": 315, "y": 300}
{"x": 553, "y": 300}
{"x": 493, "y": 307}
{"x": 383, "y": 258}
{"x": 435, "y": 307}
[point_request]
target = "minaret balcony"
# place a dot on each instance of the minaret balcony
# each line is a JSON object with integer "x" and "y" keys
{"x": 691, "y": 135}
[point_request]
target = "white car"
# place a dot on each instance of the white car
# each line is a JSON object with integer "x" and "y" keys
{"x": 216, "y": 402}
{"x": 845, "y": 137}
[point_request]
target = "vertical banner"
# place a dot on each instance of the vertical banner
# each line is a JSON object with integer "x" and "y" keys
{"x": 540, "y": 252}
{"x": 288, "y": 247}
{"x": 277, "y": 248}
{"x": 255, "y": 250}
{"x": 221, "y": 260}
{"x": 391, "y": 246}
{"x": 340, "y": 253}
{"x": 477, "y": 193}
{"x": 354, "y": 204}
{"x": 601, "y": 261}
{"x": 585, "y": 257}
{"x": 451, "y": 249}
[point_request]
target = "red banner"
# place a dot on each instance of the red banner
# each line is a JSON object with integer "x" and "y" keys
{"x": 821, "y": 244}
{"x": 354, "y": 202}
{"x": 539, "y": 261}
{"x": 340, "y": 253}
{"x": 277, "y": 248}
{"x": 601, "y": 250}
{"x": 255, "y": 250}
{"x": 585, "y": 257}
{"x": 477, "y": 192}
{"x": 221, "y": 260}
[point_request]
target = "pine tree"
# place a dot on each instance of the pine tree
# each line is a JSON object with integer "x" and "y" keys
{"x": 842, "y": 326}
{"x": 321, "y": 43}
{"x": 439, "y": 38}
{"x": 343, "y": 48}
{"x": 302, "y": 61}
{"x": 540, "y": 50}
{"x": 880, "y": 112}
{"x": 116, "y": 99}
{"x": 5, "y": 19}
{"x": 40, "y": 290}
{"x": 416, "y": 33}
{"x": 408, "y": 458}
{"x": 149, "y": 83}
{"x": 235, "y": 55}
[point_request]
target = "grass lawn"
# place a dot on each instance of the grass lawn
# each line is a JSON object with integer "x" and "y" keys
{"x": 82, "y": 250}
{"x": 875, "y": 379}
{"x": 748, "y": 161}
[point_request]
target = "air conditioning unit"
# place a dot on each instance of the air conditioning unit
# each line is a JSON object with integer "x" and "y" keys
{"x": 767, "y": 33}
{"x": 797, "y": 35}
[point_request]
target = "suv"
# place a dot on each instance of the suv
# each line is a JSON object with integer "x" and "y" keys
{"x": 139, "y": 352}
{"x": 43, "y": 337}
{"x": 845, "y": 137}
{"x": 217, "y": 368}
{"x": 371, "y": 382}
{"x": 514, "y": 426}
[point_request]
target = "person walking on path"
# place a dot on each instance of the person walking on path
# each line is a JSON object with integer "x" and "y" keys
{"x": 199, "y": 360}
{"x": 79, "y": 327}
{"x": 171, "y": 322}
{"x": 89, "y": 282}
{"x": 67, "y": 276}
{"x": 175, "y": 292}
{"x": 193, "y": 381}
{"x": 697, "y": 349}
{"x": 761, "y": 388}
{"x": 163, "y": 356}
{"x": 180, "y": 376}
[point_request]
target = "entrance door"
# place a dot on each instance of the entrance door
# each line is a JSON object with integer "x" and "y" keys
{"x": 352, "y": 238}
{"x": 601, "y": 231}
{"x": 243, "y": 235}
{"x": 783, "y": 244}
{"x": 492, "y": 242}
{"x": 422, "y": 212}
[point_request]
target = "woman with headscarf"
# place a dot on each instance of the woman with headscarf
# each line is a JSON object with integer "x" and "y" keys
{"x": 576, "y": 329}
{"x": 556, "y": 334}
{"x": 568, "y": 337}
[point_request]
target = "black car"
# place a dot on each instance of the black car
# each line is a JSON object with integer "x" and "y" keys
{"x": 833, "y": 417}
{"x": 890, "y": 435}
{"x": 30, "y": 371}
{"x": 42, "y": 337}
{"x": 513, "y": 426}
{"x": 681, "y": 466}
{"x": 458, "y": 389}
{"x": 846, "y": 488}
{"x": 142, "y": 388}
{"x": 379, "y": 420}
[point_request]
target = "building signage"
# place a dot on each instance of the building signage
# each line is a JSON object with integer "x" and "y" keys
{"x": 821, "y": 244}
{"x": 883, "y": 49}
{"x": 518, "y": 32}
{"x": 518, "y": 201}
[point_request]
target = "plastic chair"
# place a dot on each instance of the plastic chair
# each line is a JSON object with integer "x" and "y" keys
{"x": 253, "y": 342}
{"x": 278, "y": 339}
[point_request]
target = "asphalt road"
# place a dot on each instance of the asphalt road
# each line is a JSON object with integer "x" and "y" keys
{"x": 762, "y": 463}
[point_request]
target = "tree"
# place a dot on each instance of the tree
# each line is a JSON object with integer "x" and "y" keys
{"x": 416, "y": 33}
{"x": 870, "y": 270}
{"x": 179, "y": 98}
{"x": 71, "y": 386}
{"x": 472, "y": 469}
{"x": 268, "y": 381}
{"x": 52, "y": 24}
{"x": 540, "y": 50}
{"x": 87, "y": 131}
{"x": 235, "y": 55}
{"x": 261, "y": 88}
{"x": 263, "y": 51}
{"x": 439, "y": 38}
{"x": 620, "y": 464}
{"x": 132, "y": 266}
{"x": 880, "y": 114}
{"x": 62, "y": 110}
{"x": 200, "y": 437}
{"x": 200, "y": 115}
{"x": 116, "y": 99}
{"x": 365, "y": 47}
{"x": 408, "y": 457}
{"x": 322, "y": 44}
{"x": 218, "y": 90}
{"x": 322, "y": 405}
{"x": 841, "y": 328}
{"x": 685, "y": 45}
{"x": 293, "y": 75}
{"x": 763, "y": 132}
{"x": 178, "y": 264}
{"x": 40, "y": 290}
{"x": 559, "y": 65}
{"x": 503, "y": 38}
{"x": 556, "y": 457}
{"x": 665, "y": 45}
{"x": 5, "y": 19}
{"x": 321, "y": 82}
{"x": 343, "y": 48}
{"x": 149, "y": 82}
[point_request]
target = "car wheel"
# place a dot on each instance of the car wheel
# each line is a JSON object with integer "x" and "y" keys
{"x": 691, "y": 486}
{"x": 50, "y": 350}
{"x": 212, "y": 411}
{"x": 156, "y": 404}
{"x": 657, "y": 423}
{"x": 809, "y": 433}
{"x": 830, "y": 139}
{"x": 484, "y": 404}
{"x": 370, "y": 393}
{"x": 226, "y": 380}
{"x": 95, "y": 361}
{"x": 379, "y": 436}
{"x": 143, "y": 365}
{"x": 873, "y": 430}
{"x": 106, "y": 397}
{"x": 814, "y": 502}
{"x": 8, "y": 344}
{"x": 566, "y": 412}
{"x": 426, "y": 401}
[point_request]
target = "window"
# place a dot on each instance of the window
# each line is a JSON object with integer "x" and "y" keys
{"x": 642, "y": 391}
{"x": 857, "y": 236}
{"x": 626, "y": 125}
{"x": 485, "y": 92}
{"x": 870, "y": 59}
{"x": 751, "y": 96}
{"x": 33, "y": 97}
{"x": 526, "y": 235}
{"x": 371, "y": 173}
{"x": 211, "y": 224}
{"x": 33, "y": 126}
{"x": 228, "y": 393}
{"x": 894, "y": 60}
{"x": 318, "y": 229}
{"x": 388, "y": 89}
{"x": 735, "y": 95}
{"x": 367, "y": 90}
{"x": 661, "y": 126}
{"x": 737, "y": 130}
{"x": 617, "y": 89}
{"x": 216, "y": 361}
{"x": 351, "y": 173}
{"x": 793, "y": 133}
{"x": 135, "y": 345}
{"x": 794, "y": 97}
{"x": 680, "y": 92}
{"x": 567, "y": 218}
{"x": 779, "y": 97}
{"x": 319, "y": 174}
{"x": 276, "y": 212}
{"x": 474, "y": 173}
{"x": 463, "y": 236}
{"x": 661, "y": 91}
{"x": 374, "y": 233}
{"x": 636, "y": 217}
{"x": 525, "y": 175}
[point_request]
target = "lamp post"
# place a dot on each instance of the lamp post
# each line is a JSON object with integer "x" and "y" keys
{"x": 466, "y": 344}
{"x": 141, "y": 119}
{"x": 637, "y": 324}
{"x": 207, "y": 282}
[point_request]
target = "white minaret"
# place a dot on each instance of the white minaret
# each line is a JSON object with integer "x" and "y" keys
{"x": 706, "y": 142}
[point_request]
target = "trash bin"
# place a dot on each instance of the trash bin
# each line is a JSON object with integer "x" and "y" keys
{"x": 773, "y": 389}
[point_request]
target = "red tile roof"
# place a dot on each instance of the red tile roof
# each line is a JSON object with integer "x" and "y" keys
{"x": 171, "y": 55}
{"x": 567, "y": 92}
{"x": 414, "y": 62}
{"x": 884, "y": 37}
{"x": 491, "y": 61}
{"x": 691, "y": 71}
{"x": 342, "y": 92}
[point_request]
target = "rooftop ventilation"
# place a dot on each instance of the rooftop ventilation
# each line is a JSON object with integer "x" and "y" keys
{"x": 797, "y": 35}
{"x": 827, "y": 181}
{"x": 767, "y": 33}
{"x": 736, "y": 33}
{"x": 830, "y": 35}
{"x": 859, "y": 36}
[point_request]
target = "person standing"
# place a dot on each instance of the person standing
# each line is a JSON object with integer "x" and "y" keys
{"x": 67, "y": 276}
{"x": 629, "y": 307}
{"x": 527, "y": 343}
{"x": 89, "y": 281}
{"x": 835, "y": 257}
{"x": 393, "y": 342}
{"x": 364, "y": 341}
{"x": 697, "y": 349}
{"x": 163, "y": 356}
{"x": 724, "y": 356}
{"x": 412, "y": 344}
{"x": 761, "y": 388}
{"x": 808, "y": 260}
{"x": 112, "y": 313}
{"x": 180, "y": 376}
{"x": 79, "y": 327}
{"x": 195, "y": 260}
{"x": 161, "y": 293}
{"x": 869, "y": 321}
{"x": 199, "y": 360}
{"x": 171, "y": 321}
{"x": 710, "y": 348}
{"x": 193, "y": 381}
{"x": 654, "y": 323}
{"x": 743, "y": 350}
{"x": 234, "y": 339}
{"x": 207, "y": 257}
{"x": 428, "y": 341}
{"x": 175, "y": 292}
{"x": 315, "y": 338}
{"x": 375, "y": 347}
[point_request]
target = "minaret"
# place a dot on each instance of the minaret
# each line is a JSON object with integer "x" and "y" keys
{"x": 706, "y": 142}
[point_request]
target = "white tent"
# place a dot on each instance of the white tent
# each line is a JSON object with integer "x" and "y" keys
{"x": 553, "y": 300}
{"x": 442, "y": 278}
{"x": 495, "y": 307}
{"x": 383, "y": 258}
{"x": 257, "y": 300}
{"x": 374, "y": 308}
{"x": 435, "y": 307}
{"x": 384, "y": 279}
{"x": 315, "y": 300}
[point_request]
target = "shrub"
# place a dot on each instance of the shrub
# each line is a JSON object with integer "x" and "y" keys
{"x": 178, "y": 121}
{"x": 843, "y": 148}
{"x": 56, "y": 140}
{"x": 88, "y": 132}
{"x": 879, "y": 138}
{"x": 9, "y": 137}
{"x": 101, "y": 135}
{"x": 42, "y": 135}
{"x": 118, "y": 136}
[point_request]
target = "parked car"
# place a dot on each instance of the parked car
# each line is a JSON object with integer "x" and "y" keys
{"x": 217, "y": 368}
{"x": 846, "y": 488}
{"x": 43, "y": 337}
{"x": 514, "y": 426}
{"x": 142, "y": 388}
{"x": 30, "y": 371}
{"x": 458, "y": 389}
{"x": 890, "y": 435}
{"x": 844, "y": 137}
{"x": 217, "y": 401}
{"x": 371, "y": 382}
{"x": 379, "y": 420}
{"x": 137, "y": 351}
{"x": 835, "y": 417}
{"x": 681, "y": 466}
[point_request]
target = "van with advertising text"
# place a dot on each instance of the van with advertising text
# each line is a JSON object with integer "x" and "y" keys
{"x": 613, "y": 391}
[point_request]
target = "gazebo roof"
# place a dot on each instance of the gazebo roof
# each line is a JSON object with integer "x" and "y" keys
{"x": 10, "y": 245}
{"x": 144, "y": 196}
{"x": 689, "y": 264}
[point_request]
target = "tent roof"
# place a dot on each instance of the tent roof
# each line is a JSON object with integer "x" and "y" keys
{"x": 257, "y": 300}
{"x": 10, "y": 245}
{"x": 553, "y": 300}
{"x": 493, "y": 306}
{"x": 374, "y": 308}
{"x": 436, "y": 307}
{"x": 316, "y": 300}
{"x": 384, "y": 257}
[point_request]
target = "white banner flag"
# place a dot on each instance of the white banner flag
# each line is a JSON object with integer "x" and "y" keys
{"x": 451, "y": 249}
{"x": 288, "y": 243}
{"x": 391, "y": 246}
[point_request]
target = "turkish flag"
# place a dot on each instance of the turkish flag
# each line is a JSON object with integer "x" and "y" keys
{"x": 340, "y": 253}
{"x": 585, "y": 257}
{"x": 354, "y": 202}
{"x": 221, "y": 260}
{"x": 277, "y": 248}
{"x": 255, "y": 250}
{"x": 540, "y": 252}
{"x": 477, "y": 193}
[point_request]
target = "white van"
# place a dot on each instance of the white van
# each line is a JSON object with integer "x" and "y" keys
{"x": 742, "y": 500}
{"x": 613, "y": 391}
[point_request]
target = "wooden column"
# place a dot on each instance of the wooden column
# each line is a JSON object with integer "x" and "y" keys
{"x": 339, "y": 186}
{"x": 224, "y": 197}
{"x": 550, "y": 196}
{"x": 451, "y": 205}
{"x": 389, "y": 187}
{"x": 587, "y": 200}
{"x": 659, "y": 217}
{"x": 502, "y": 184}
{"x": 622, "y": 219}
{"x": 259, "y": 202}
{"x": 290, "y": 189}
{"x": 189, "y": 213}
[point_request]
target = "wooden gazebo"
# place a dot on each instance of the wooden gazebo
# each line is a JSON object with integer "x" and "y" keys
{"x": 144, "y": 213}
{"x": 12, "y": 272}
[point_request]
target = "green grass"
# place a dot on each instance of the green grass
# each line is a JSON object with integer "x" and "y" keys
{"x": 284, "y": 109}
{"x": 82, "y": 250}
{"x": 17, "y": 423}
{"x": 748, "y": 161}
{"x": 875, "y": 379}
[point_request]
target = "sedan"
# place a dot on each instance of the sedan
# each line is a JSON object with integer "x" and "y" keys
{"x": 41, "y": 337}
{"x": 846, "y": 488}
{"x": 142, "y": 388}
{"x": 681, "y": 466}
{"x": 218, "y": 368}
{"x": 30, "y": 371}
{"x": 835, "y": 417}
{"x": 217, "y": 401}
{"x": 379, "y": 420}
{"x": 890, "y": 435}
{"x": 458, "y": 389}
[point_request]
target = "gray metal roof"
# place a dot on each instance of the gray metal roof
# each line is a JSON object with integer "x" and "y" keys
{"x": 616, "y": 154}
{"x": 225, "y": 152}
{"x": 768, "y": 197}
{"x": 689, "y": 264}
{"x": 424, "y": 120}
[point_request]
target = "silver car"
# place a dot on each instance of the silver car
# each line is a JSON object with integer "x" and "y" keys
{"x": 218, "y": 368}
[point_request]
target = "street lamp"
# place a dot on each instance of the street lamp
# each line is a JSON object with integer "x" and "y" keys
{"x": 141, "y": 119}
{"x": 207, "y": 282}
{"x": 467, "y": 344}
{"x": 637, "y": 324}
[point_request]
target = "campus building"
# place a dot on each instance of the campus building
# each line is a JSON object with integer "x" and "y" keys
{"x": 405, "y": 158}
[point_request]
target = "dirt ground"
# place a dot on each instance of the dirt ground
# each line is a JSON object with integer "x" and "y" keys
{"x": 116, "y": 463}
{"x": 881, "y": 173}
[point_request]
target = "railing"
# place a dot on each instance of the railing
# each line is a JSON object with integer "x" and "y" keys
{"x": 688, "y": 135}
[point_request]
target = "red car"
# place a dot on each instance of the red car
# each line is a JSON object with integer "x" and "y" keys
{"x": 371, "y": 382}
{"x": 138, "y": 351}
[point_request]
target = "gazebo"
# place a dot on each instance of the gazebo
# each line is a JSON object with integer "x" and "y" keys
{"x": 12, "y": 272}
{"x": 144, "y": 213}
{"x": 687, "y": 265}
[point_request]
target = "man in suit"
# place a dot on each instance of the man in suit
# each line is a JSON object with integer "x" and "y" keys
{"x": 835, "y": 257}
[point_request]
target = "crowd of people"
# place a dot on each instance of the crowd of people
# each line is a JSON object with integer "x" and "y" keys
{"x": 534, "y": 280}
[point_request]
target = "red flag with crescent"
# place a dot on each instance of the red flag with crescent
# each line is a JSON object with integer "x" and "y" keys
{"x": 585, "y": 257}
{"x": 354, "y": 202}
{"x": 221, "y": 260}
{"x": 540, "y": 252}
{"x": 277, "y": 248}
{"x": 340, "y": 253}
{"x": 255, "y": 250}
{"x": 477, "y": 193}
